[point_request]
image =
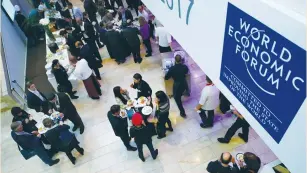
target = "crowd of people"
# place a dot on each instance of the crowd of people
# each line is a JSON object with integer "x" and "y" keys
{"x": 84, "y": 37}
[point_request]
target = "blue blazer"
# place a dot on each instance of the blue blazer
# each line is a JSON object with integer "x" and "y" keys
{"x": 27, "y": 142}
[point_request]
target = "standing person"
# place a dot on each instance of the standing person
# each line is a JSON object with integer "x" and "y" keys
{"x": 141, "y": 86}
{"x": 27, "y": 121}
{"x": 74, "y": 12}
{"x": 224, "y": 104}
{"x": 121, "y": 96}
{"x": 164, "y": 40}
{"x": 31, "y": 143}
{"x": 36, "y": 100}
{"x": 61, "y": 6}
{"x": 120, "y": 126}
{"x": 70, "y": 41}
{"x": 61, "y": 139}
{"x": 135, "y": 5}
{"x": 116, "y": 45}
{"x": 87, "y": 53}
{"x": 143, "y": 13}
{"x": 222, "y": 165}
{"x": 178, "y": 72}
{"x": 108, "y": 17}
{"x": 74, "y": 32}
{"x": 92, "y": 37}
{"x": 119, "y": 3}
{"x": 61, "y": 102}
{"x": 19, "y": 17}
{"x": 124, "y": 15}
{"x": 162, "y": 113}
{"x": 131, "y": 35}
{"x": 252, "y": 163}
{"x": 239, "y": 123}
{"x": 145, "y": 33}
{"x": 84, "y": 72}
{"x": 91, "y": 9}
{"x": 141, "y": 135}
{"x": 61, "y": 76}
{"x": 208, "y": 102}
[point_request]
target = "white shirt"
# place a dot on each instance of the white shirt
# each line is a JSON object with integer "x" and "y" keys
{"x": 209, "y": 98}
{"x": 144, "y": 14}
{"x": 164, "y": 37}
{"x": 157, "y": 23}
{"x": 82, "y": 70}
{"x": 37, "y": 94}
{"x": 71, "y": 13}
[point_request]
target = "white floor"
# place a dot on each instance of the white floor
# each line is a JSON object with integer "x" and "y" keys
{"x": 188, "y": 149}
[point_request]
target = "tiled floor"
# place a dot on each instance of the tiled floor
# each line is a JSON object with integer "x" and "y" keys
{"x": 188, "y": 149}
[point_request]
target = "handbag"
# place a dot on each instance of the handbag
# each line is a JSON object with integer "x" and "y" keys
{"x": 27, "y": 154}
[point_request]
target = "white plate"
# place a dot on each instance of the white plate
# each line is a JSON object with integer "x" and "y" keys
{"x": 147, "y": 110}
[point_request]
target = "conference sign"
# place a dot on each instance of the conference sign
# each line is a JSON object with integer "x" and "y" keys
{"x": 264, "y": 70}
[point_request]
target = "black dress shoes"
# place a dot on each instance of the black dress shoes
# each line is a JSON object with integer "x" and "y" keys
{"x": 131, "y": 148}
{"x": 223, "y": 140}
{"x": 54, "y": 162}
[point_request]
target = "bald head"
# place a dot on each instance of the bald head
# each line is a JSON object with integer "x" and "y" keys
{"x": 226, "y": 158}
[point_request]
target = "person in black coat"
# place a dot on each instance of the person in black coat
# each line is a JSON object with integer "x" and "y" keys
{"x": 119, "y": 124}
{"x": 91, "y": 8}
{"x": 224, "y": 104}
{"x": 61, "y": 76}
{"x": 222, "y": 165}
{"x": 61, "y": 6}
{"x": 36, "y": 100}
{"x": 70, "y": 41}
{"x": 118, "y": 3}
{"x": 178, "y": 72}
{"x": 117, "y": 46}
{"x": 127, "y": 13}
{"x": 61, "y": 139}
{"x": 89, "y": 56}
{"x": 31, "y": 142}
{"x": 141, "y": 135}
{"x": 141, "y": 86}
{"x": 27, "y": 122}
{"x": 61, "y": 102}
{"x": 131, "y": 35}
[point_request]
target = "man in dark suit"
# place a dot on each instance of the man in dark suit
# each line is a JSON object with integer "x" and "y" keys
{"x": 89, "y": 56}
{"x": 118, "y": 3}
{"x": 62, "y": 103}
{"x": 91, "y": 8}
{"x": 36, "y": 100}
{"x": 120, "y": 126}
{"x": 131, "y": 35}
{"x": 61, "y": 6}
{"x": 124, "y": 14}
{"x": 91, "y": 28}
{"x": 61, "y": 139}
{"x": 31, "y": 143}
{"x": 222, "y": 165}
{"x": 70, "y": 41}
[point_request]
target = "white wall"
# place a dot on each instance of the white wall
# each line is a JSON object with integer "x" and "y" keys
{"x": 203, "y": 39}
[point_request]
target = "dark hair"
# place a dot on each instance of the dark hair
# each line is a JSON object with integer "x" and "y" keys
{"x": 69, "y": 4}
{"x": 52, "y": 19}
{"x": 54, "y": 63}
{"x": 225, "y": 161}
{"x": 15, "y": 111}
{"x": 161, "y": 96}
{"x": 116, "y": 91}
{"x": 63, "y": 32}
{"x": 85, "y": 14}
{"x": 28, "y": 84}
{"x": 253, "y": 162}
{"x": 68, "y": 28}
{"x": 208, "y": 79}
{"x": 178, "y": 59}
{"x": 115, "y": 108}
{"x": 137, "y": 76}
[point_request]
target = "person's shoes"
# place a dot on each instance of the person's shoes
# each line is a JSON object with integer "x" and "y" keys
{"x": 74, "y": 92}
{"x": 148, "y": 55}
{"x": 140, "y": 61}
{"x": 202, "y": 125}
{"x": 75, "y": 128}
{"x": 170, "y": 129}
{"x": 131, "y": 148}
{"x": 142, "y": 158}
{"x": 54, "y": 162}
{"x": 242, "y": 137}
{"x": 73, "y": 160}
{"x": 98, "y": 77}
{"x": 160, "y": 137}
{"x": 95, "y": 98}
{"x": 81, "y": 130}
{"x": 223, "y": 140}
{"x": 183, "y": 115}
{"x": 81, "y": 151}
{"x": 74, "y": 97}
{"x": 156, "y": 154}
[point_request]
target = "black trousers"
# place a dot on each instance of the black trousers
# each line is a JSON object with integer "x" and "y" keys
{"x": 148, "y": 46}
{"x": 207, "y": 117}
{"x": 118, "y": 2}
{"x": 162, "y": 120}
{"x": 135, "y": 4}
{"x": 178, "y": 90}
{"x": 92, "y": 44}
{"x": 125, "y": 138}
{"x": 150, "y": 147}
{"x": 151, "y": 29}
{"x": 164, "y": 49}
{"x": 42, "y": 153}
{"x": 77, "y": 121}
{"x": 239, "y": 123}
{"x": 96, "y": 71}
